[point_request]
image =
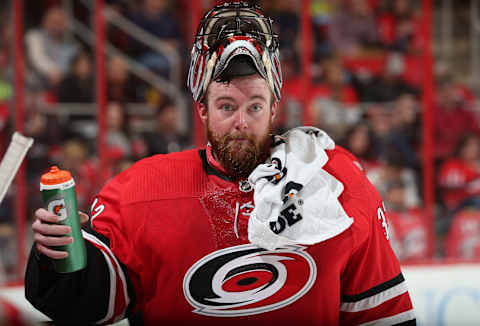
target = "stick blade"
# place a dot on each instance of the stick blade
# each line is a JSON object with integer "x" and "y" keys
{"x": 16, "y": 151}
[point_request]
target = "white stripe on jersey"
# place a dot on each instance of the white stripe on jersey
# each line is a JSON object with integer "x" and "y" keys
{"x": 374, "y": 300}
{"x": 109, "y": 257}
{"x": 392, "y": 320}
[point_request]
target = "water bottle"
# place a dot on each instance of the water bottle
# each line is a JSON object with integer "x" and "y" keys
{"x": 58, "y": 193}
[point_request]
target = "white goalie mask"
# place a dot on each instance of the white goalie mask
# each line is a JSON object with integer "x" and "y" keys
{"x": 229, "y": 30}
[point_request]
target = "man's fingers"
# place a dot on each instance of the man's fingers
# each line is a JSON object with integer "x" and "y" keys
{"x": 52, "y": 241}
{"x": 83, "y": 217}
{"x": 50, "y": 229}
{"x": 44, "y": 215}
{"x": 54, "y": 254}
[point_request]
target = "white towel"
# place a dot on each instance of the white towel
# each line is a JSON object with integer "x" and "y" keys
{"x": 296, "y": 200}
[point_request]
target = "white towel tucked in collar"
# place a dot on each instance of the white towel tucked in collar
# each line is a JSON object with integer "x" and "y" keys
{"x": 296, "y": 201}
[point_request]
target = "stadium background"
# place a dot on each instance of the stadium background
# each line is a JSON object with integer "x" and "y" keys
{"x": 100, "y": 84}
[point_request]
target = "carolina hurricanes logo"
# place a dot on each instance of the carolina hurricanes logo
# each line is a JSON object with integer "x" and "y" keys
{"x": 247, "y": 280}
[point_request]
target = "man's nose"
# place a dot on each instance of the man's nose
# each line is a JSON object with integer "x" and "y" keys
{"x": 241, "y": 120}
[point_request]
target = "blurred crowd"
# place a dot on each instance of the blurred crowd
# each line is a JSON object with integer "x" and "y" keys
{"x": 366, "y": 92}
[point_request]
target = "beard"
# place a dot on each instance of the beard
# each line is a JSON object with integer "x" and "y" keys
{"x": 240, "y": 158}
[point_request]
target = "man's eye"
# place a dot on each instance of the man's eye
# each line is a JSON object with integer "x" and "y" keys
{"x": 256, "y": 108}
{"x": 227, "y": 107}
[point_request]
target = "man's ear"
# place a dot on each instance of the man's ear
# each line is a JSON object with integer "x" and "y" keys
{"x": 202, "y": 112}
{"x": 274, "y": 110}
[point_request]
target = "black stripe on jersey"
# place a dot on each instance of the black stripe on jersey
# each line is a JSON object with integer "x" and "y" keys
{"x": 98, "y": 235}
{"x": 412, "y": 322}
{"x": 136, "y": 319}
{"x": 375, "y": 290}
{"x": 210, "y": 169}
{"x": 130, "y": 288}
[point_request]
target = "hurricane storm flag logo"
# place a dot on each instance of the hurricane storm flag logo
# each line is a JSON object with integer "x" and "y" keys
{"x": 247, "y": 280}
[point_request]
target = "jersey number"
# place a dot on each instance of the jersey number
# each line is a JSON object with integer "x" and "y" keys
{"x": 96, "y": 210}
{"x": 383, "y": 220}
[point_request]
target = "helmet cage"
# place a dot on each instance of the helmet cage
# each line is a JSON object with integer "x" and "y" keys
{"x": 227, "y": 31}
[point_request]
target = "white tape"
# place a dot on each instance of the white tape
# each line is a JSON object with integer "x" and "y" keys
{"x": 17, "y": 149}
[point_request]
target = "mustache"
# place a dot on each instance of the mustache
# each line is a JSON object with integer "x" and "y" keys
{"x": 240, "y": 136}
{"x": 226, "y": 140}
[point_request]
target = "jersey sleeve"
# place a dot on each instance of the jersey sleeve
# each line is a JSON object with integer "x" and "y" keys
{"x": 77, "y": 298}
{"x": 113, "y": 235}
{"x": 101, "y": 293}
{"x": 373, "y": 289}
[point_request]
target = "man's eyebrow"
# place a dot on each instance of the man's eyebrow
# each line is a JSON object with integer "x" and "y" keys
{"x": 258, "y": 97}
{"x": 229, "y": 98}
{"x": 226, "y": 98}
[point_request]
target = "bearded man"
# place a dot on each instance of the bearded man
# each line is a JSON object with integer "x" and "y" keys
{"x": 253, "y": 229}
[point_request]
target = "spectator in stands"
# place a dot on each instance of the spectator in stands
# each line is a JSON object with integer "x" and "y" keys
{"x": 453, "y": 117}
{"x": 166, "y": 137}
{"x": 46, "y": 131}
{"x": 335, "y": 84}
{"x": 155, "y": 18}
{"x": 392, "y": 168}
{"x": 77, "y": 86}
{"x": 335, "y": 100}
{"x": 74, "y": 158}
{"x": 387, "y": 86}
{"x": 463, "y": 93}
{"x": 459, "y": 176}
{"x": 463, "y": 239}
{"x": 398, "y": 26}
{"x": 406, "y": 129}
{"x": 379, "y": 118}
{"x": 121, "y": 85}
{"x": 353, "y": 29}
{"x": 408, "y": 233}
{"x": 358, "y": 140}
{"x": 118, "y": 140}
{"x": 48, "y": 49}
{"x": 33, "y": 82}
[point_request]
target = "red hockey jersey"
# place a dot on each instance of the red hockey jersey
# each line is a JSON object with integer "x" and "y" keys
{"x": 409, "y": 234}
{"x": 459, "y": 181}
{"x": 463, "y": 240}
{"x": 179, "y": 226}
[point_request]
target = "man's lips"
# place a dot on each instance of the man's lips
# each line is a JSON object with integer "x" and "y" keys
{"x": 239, "y": 139}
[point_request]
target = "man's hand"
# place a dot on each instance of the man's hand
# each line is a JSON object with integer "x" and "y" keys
{"x": 48, "y": 234}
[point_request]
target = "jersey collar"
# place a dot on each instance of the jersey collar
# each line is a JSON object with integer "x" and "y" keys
{"x": 211, "y": 165}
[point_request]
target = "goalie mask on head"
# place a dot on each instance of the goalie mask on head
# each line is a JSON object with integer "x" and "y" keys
{"x": 234, "y": 30}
